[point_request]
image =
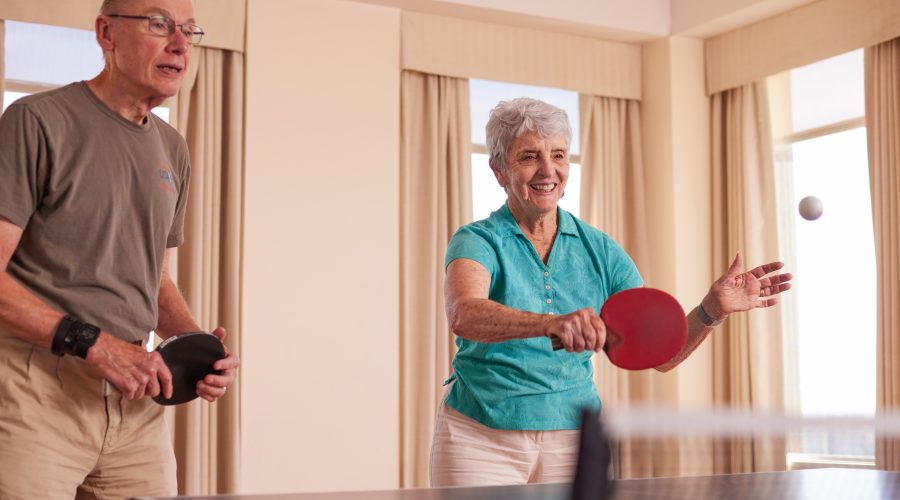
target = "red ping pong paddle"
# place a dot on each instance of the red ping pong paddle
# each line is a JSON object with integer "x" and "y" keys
{"x": 645, "y": 327}
{"x": 190, "y": 358}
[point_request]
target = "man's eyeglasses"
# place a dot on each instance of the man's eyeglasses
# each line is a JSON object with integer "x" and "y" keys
{"x": 163, "y": 26}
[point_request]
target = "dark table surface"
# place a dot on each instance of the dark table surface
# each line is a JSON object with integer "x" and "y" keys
{"x": 813, "y": 484}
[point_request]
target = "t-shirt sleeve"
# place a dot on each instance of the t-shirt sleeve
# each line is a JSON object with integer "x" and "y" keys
{"x": 467, "y": 243}
{"x": 23, "y": 164}
{"x": 624, "y": 274}
{"x": 176, "y": 233}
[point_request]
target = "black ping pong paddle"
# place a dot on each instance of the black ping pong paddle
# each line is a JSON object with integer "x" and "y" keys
{"x": 645, "y": 327}
{"x": 190, "y": 358}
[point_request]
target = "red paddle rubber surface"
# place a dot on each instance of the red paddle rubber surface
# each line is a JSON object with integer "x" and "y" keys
{"x": 645, "y": 328}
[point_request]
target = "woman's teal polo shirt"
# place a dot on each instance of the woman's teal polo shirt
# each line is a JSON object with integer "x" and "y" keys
{"x": 524, "y": 384}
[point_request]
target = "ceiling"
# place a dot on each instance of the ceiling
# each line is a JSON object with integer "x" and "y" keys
{"x": 622, "y": 20}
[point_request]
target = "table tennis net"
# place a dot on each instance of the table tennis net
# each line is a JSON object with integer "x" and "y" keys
{"x": 660, "y": 442}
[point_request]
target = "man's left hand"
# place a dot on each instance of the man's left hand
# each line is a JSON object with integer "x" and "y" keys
{"x": 213, "y": 386}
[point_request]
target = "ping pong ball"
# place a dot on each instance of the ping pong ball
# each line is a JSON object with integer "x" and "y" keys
{"x": 811, "y": 208}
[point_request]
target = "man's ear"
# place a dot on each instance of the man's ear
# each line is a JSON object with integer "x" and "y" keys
{"x": 103, "y": 30}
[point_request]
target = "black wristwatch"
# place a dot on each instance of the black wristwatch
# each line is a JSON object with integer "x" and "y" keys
{"x": 705, "y": 318}
{"x": 74, "y": 337}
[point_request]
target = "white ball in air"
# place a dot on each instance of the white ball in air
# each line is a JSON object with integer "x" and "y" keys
{"x": 811, "y": 208}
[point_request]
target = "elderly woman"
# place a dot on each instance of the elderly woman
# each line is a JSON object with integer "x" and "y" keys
{"x": 529, "y": 271}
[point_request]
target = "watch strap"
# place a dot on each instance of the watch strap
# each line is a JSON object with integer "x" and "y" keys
{"x": 705, "y": 318}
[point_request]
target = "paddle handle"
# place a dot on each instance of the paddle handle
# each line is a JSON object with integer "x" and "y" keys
{"x": 556, "y": 342}
{"x": 611, "y": 339}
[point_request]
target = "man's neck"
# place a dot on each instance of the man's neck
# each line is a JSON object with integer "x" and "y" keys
{"x": 118, "y": 99}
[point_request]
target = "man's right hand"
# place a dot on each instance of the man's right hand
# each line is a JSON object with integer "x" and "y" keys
{"x": 129, "y": 367}
{"x": 582, "y": 330}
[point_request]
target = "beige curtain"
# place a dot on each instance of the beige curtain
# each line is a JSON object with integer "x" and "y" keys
{"x": 613, "y": 192}
{"x": 747, "y": 349}
{"x": 209, "y": 113}
{"x": 883, "y": 130}
{"x": 613, "y": 198}
{"x": 436, "y": 198}
{"x": 2, "y": 60}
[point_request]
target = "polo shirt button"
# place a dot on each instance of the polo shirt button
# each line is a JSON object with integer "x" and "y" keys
{"x": 549, "y": 301}
{"x": 546, "y": 273}
{"x": 551, "y": 313}
{"x": 546, "y": 287}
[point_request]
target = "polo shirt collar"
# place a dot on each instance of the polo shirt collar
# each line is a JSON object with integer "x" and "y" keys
{"x": 511, "y": 228}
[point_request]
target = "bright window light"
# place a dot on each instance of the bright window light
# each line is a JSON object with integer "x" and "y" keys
{"x": 50, "y": 55}
{"x": 161, "y": 112}
{"x": 828, "y": 91}
{"x": 834, "y": 168}
{"x": 10, "y": 97}
{"x": 485, "y": 94}
{"x": 835, "y": 352}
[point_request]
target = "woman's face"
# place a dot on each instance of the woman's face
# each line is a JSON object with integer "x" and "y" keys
{"x": 535, "y": 175}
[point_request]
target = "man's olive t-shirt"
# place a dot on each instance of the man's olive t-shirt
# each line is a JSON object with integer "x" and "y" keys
{"x": 99, "y": 199}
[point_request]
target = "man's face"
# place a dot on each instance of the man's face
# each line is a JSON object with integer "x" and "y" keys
{"x": 536, "y": 172}
{"x": 152, "y": 66}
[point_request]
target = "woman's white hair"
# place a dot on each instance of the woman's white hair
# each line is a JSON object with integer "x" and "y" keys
{"x": 511, "y": 119}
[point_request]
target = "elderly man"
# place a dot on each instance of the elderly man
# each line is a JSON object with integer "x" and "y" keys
{"x": 91, "y": 207}
{"x": 528, "y": 272}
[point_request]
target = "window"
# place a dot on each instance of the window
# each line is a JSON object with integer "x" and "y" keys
{"x": 824, "y": 155}
{"x": 40, "y": 57}
{"x": 487, "y": 195}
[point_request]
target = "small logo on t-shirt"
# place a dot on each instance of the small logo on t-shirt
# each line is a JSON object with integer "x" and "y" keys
{"x": 167, "y": 180}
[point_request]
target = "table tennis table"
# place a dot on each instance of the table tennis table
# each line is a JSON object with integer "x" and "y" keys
{"x": 813, "y": 484}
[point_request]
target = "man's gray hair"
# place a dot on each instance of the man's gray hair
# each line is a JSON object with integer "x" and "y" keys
{"x": 511, "y": 119}
{"x": 109, "y": 7}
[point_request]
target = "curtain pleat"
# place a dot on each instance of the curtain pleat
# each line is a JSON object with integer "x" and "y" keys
{"x": 613, "y": 198}
{"x": 2, "y": 59}
{"x": 748, "y": 367}
{"x": 436, "y": 199}
{"x": 209, "y": 113}
{"x": 883, "y": 131}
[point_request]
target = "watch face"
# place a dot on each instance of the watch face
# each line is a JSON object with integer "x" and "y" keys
{"x": 85, "y": 338}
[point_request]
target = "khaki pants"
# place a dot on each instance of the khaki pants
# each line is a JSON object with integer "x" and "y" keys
{"x": 465, "y": 452}
{"x": 62, "y": 438}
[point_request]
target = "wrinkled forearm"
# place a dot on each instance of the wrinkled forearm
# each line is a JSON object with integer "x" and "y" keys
{"x": 485, "y": 320}
{"x": 174, "y": 315}
{"x": 25, "y": 315}
{"x": 696, "y": 334}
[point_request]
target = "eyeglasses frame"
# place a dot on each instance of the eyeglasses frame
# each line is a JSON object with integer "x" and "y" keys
{"x": 196, "y": 31}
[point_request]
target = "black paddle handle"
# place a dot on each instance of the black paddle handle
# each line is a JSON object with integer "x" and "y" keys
{"x": 556, "y": 342}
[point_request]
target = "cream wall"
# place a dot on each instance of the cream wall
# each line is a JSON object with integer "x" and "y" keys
{"x": 676, "y": 128}
{"x": 632, "y": 21}
{"x": 692, "y": 184}
{"x": 656, "y": 137}
{"x": 702, "y": 18}
{"x": 320, "y": 296}
{"x": 641, "y": 16}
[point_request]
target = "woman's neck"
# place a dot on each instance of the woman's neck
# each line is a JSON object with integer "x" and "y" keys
{"x": 539, "y": 228}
